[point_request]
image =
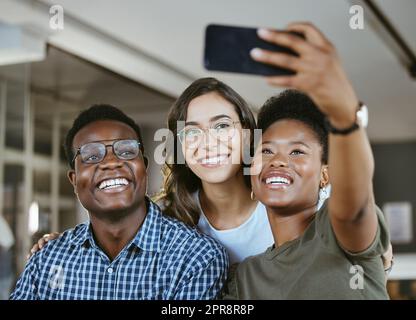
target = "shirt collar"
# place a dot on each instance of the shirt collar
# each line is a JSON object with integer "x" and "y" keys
{"x": 147, "y": 238}
{"x": 83, "y": 235}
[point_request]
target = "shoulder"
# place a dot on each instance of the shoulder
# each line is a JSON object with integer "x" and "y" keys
{"x": 61, "y": 245}
{"x": 177, "y": 233}
{"x": 189, "y": 247}
{"x": 73, "y": 235}
{"x": 243, "y": 273}
{"x": 327, "y": 235}
{"x": 251, "y": 265}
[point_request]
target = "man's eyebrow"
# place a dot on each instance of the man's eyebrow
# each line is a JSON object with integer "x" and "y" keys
{"x": 102, "y": 141}
{"x": 215, "y": 118}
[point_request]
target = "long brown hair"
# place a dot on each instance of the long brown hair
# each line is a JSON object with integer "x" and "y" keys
{"x": 179, "y": 181}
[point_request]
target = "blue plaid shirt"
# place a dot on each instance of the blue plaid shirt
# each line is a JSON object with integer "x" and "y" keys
{"x": 165, "y": 260}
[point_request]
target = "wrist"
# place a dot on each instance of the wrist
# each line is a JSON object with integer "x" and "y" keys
{"x": 342, "y": 122}
{"x": 345, "y": 116}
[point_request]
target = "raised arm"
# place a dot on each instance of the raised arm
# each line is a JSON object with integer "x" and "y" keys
{"x": 320, "y": 75}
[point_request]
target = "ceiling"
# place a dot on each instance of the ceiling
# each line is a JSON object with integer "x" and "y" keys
{"x": 77, "y": 84}
{"x": 67, "y": 84}
{"x": 171, "y": 33}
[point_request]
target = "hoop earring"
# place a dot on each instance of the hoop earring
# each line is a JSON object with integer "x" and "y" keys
{"x": 252, "y": 196}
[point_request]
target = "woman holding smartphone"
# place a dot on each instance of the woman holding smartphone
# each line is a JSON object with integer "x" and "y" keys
{"x": 309, "y": 139}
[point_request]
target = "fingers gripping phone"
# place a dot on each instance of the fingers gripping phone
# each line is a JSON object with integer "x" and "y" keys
{"x": 227, "y": 48}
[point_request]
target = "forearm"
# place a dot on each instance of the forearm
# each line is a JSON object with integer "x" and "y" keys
{"x": 351, "y": 170}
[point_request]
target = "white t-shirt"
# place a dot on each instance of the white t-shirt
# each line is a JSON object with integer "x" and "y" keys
{"x": 252, "y": 237}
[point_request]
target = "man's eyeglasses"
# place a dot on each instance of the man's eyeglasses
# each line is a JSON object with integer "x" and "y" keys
{"x": 95, "y": 152}
{"x": 222, "y": 130}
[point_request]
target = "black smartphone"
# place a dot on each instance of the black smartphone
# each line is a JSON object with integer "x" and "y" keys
{"x": 227, "y": 48}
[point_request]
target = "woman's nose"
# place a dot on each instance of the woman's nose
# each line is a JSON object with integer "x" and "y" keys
{"x": 279, "y": 160}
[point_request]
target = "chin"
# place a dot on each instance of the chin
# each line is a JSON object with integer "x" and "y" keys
{"x": 217, "y": 175}
{"x": 116, "y": 208}
{"x": 116, "y": 212}
{"x": 275, "y": 202}
{"x": 214, "y": 179}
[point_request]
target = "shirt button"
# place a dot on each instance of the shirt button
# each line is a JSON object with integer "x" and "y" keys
{"x": 110, "y": 270}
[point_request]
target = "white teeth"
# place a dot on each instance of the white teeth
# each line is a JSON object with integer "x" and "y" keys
{"x": 214, "y": 160}
{"x": 113, "y": 183}
{"x": 277, "y": 180}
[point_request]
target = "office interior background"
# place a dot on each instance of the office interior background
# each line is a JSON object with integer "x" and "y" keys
{"x": 139, "y": 56}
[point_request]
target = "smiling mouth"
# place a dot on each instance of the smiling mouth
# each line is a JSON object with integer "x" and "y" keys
{"x": 110, "y": 184}
{"x": 277, "y": 181}
{"x": 214, "y": 161}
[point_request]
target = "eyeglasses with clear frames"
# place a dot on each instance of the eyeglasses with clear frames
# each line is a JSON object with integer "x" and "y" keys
{"x": 222, "y": 130}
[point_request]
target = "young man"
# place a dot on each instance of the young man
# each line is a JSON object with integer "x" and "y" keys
{"x": 128, "y": 249}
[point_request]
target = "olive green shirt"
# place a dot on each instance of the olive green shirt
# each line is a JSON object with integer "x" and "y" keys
{"x": 313, "y": 266}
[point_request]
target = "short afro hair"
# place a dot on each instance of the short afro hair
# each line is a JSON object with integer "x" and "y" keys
{"x": 295, "y": 105}
{"x": 95, "y": 113}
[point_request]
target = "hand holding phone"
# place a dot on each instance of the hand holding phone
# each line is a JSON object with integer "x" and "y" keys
{"x": 227, "y": 48}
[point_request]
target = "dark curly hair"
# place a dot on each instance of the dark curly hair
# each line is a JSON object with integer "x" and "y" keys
{"x": 95, "y": 113}
{"x": 293, "y": 104}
